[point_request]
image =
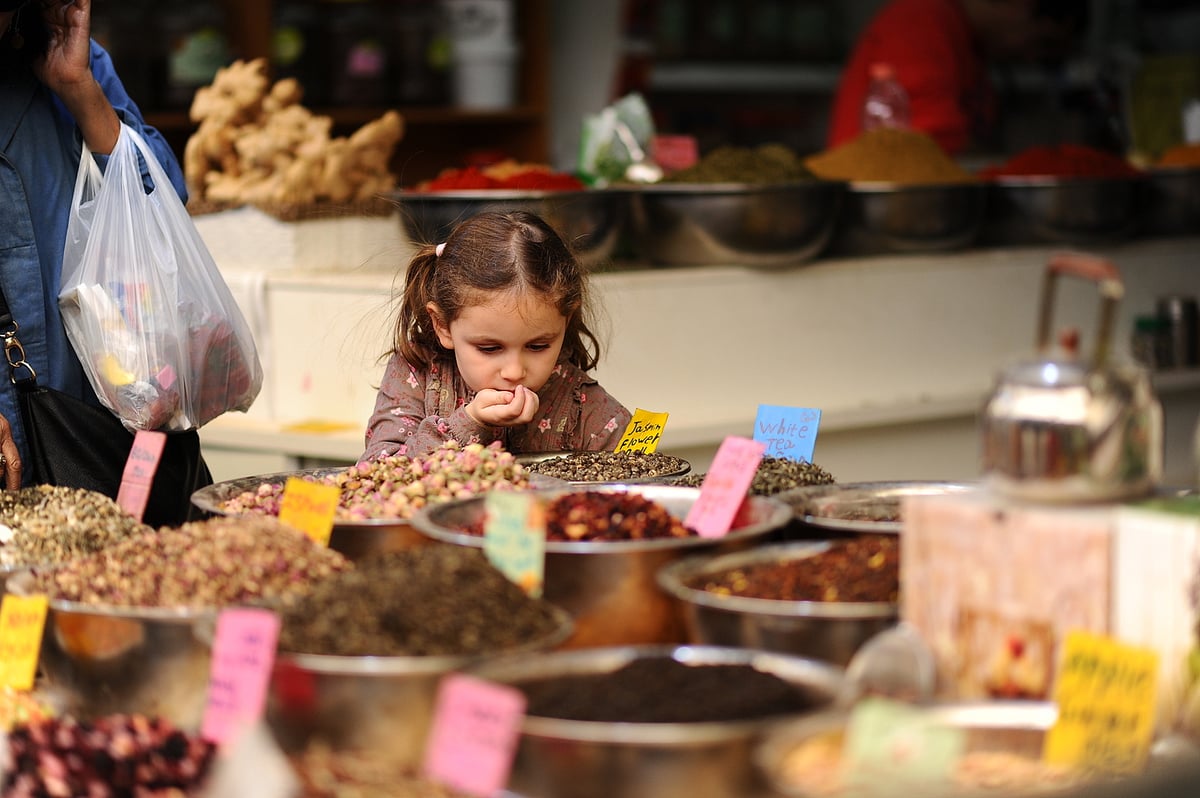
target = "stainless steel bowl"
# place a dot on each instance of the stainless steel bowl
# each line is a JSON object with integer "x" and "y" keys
{"x": 355, "y": 540}
{"x": 592, "y": 221}
{"x": 610, "y": 588}
{"x": 148, "y": 660}
{"x": 831, "y": 631}
{"x": 1172, "y": 206}
{"x": 533, "y": 458}
{"x": 382, "y": 705}
{"x": 892, "y": 217}
{"x": 1009, "y": 727}
{"x": 860, "y": 507}
{"x": 588, "y": 759}
{"x": 733, "y": 223}
{"x": 1076, "y": 210}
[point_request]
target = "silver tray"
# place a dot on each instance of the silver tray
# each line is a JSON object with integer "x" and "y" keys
{"x": 862, "y": 507}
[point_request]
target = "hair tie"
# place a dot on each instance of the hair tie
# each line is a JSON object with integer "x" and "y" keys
{"x": 439, "y": 249}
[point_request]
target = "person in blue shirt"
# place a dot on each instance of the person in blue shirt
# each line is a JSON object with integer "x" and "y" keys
{"x": 58, "y": 88}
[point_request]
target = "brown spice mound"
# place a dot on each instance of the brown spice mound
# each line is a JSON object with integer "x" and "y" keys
{"x": 427, "y": 601}
{"x": 889, "y": 155}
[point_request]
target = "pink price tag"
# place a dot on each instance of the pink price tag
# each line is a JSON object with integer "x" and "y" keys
{"x": 724, "y": 488}
{"x": 138, "y": 475}
{"x": 473, "y": 739}
{"x": 242, "y": 657}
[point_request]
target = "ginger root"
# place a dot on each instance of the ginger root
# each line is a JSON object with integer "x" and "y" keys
{"x": 257, "y": 144}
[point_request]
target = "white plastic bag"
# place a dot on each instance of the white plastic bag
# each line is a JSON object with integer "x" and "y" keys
{"x": 159, "y": 334}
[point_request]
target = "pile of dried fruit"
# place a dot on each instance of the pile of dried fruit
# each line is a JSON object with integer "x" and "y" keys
{"x": 608, "y": 466}
{"x": 592, "y": 516}
{"x": 113, "y": 756}
{"x": 774, "y": 475}
{"x": 865, "y": 568}
{"x": 398, "y": 486}
{"x": 203, "y": 564}
{"x": 427, "y": 601}
{"x": 48, "y": 524}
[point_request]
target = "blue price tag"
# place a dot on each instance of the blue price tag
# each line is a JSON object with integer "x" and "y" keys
{"x": 789, "y": 432}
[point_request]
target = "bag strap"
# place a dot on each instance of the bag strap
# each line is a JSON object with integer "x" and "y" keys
{"x": 14, "y": 353}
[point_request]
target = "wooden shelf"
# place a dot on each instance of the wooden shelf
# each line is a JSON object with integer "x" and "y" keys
{"x": 432, "y": 133}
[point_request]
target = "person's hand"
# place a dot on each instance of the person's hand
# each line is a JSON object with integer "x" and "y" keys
{"x": 67, "y": 71}
{"x": 504, "y": 408}
{"x": 10, "y": 457}
{"x": 65, "y": 68}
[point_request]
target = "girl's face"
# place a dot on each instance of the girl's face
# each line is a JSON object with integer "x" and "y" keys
{"x": 504, "y": 342}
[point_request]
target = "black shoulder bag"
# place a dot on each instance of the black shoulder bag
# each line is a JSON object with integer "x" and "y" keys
{"x": 79, "y": 445}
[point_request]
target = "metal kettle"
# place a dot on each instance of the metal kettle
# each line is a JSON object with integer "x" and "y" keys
{"x": 1061, "y": 430}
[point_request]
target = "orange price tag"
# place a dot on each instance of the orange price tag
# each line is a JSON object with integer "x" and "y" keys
{"x": 643, "y": 432}
{"x": 309, "y": 507}
{"x": 22, "y": 619}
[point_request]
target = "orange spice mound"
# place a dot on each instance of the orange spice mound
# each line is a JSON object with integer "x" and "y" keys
{"x": 889, "y": 155}
{"x": 1180, "y": 155}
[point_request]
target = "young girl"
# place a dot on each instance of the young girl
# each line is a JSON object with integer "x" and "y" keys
{"x": 492, "y": 344}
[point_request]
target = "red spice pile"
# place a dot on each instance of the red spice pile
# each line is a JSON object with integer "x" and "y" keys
{"x": 1064, "y": 160}
{"x": 532, "y": 178}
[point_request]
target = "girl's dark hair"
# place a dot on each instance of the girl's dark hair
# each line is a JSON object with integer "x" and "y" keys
{"x": 492, "y": 253}
{"x": 27, "y": 36}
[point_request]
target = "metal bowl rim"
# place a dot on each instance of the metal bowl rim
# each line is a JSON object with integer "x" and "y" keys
{"x": 892, "y": 187}
{"x": 811, "y": 185}
{"x": 671, "y": 578}
{"x": 503, "y": 194}
{"x": 876, "y": 527}
{"x": 780, "y": 514}
{"x": 826, "y": 675}
{"x": 18, "y": 584}
{"x": 1016, "y": 182}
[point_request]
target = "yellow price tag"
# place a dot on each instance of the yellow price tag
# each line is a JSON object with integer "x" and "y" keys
{"x": 22, "y": 619}
{"x": 1106, "y": 693}
{"x": 643, "y": 432}
{"x": 309, "y": 507}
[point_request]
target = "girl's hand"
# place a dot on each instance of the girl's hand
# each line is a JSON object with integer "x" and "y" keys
{"x": 65, "y": 68}
{"x": 504, "y": 408}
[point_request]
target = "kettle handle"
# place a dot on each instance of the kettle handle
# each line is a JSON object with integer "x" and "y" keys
{"x": 1087, "y": 267}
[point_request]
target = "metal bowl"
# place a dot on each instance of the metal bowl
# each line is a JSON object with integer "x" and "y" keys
{"x": 148, "y": 660}
{"x": 589, "y": 759}
{"x": 592, "y": 221}
{"x": 1172, "y": 206}
{"x": 893, "y": 217}
{"x": 855, "y": 508}
{"x": 1011, "y": 727}
{"x": 610, "y": 587}
{"x": 831, "y": 631}
{"x": 355, "y": 540}
{"x": 1069, "y": 210}
{"x": 532, "y": 458}
{"x": 372, "y": 704}
{"x": 726, "y": 224}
